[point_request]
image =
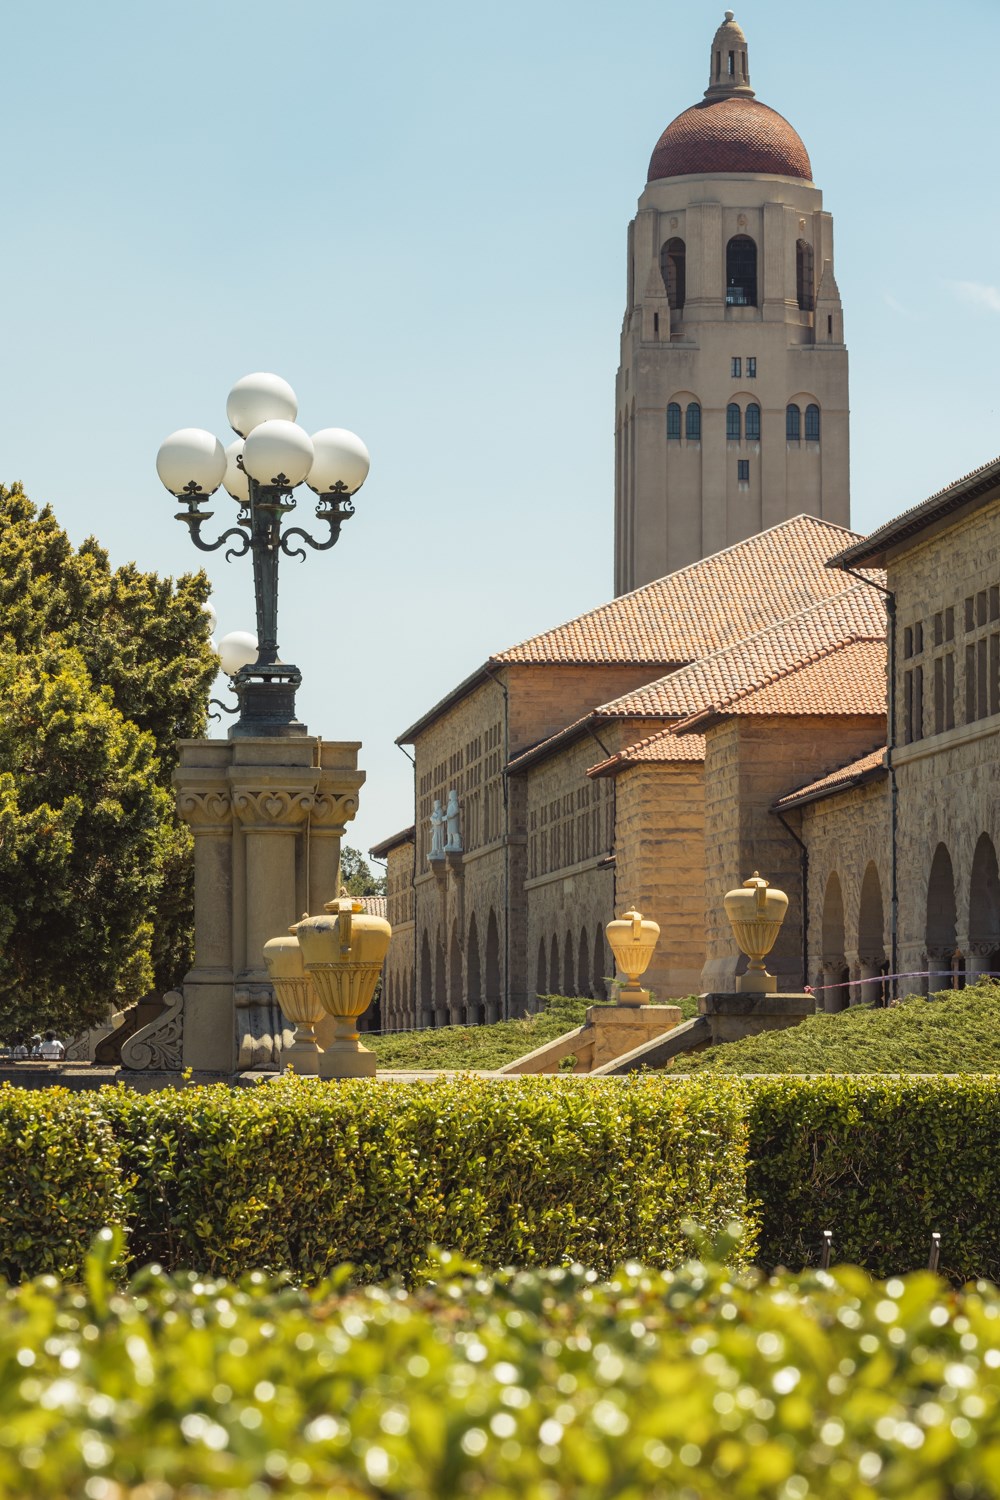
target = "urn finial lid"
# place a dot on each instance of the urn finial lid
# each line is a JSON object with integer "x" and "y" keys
{"x": 757, "y": 881}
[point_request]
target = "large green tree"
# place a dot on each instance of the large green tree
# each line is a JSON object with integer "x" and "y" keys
{"x": 101, "y": 670}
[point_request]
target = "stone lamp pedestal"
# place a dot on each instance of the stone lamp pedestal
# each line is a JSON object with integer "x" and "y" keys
{"x": 344, "y": 953}
{"x": 267, "y": 816}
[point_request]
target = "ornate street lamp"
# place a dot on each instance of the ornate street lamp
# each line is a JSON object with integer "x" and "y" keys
{"x": 261, "y": 470}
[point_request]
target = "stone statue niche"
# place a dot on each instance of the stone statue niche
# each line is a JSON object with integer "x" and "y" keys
{"x": 437, "y": 822}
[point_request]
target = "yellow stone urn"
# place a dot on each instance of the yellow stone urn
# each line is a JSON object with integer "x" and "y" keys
{"x": 756, "y": 910}
{"x": 632, "y": 939}
{"x": 298, "y": 999}
{"x": 344, "y": 953}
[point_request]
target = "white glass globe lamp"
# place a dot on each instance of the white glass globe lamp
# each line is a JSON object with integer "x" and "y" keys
{"x": 278, "y": 453}
{"x": 236, "y": 481}
{"x": 190, "y": 462}
{"x": 237, "y": 649}
{"x": 208, "y": 610}
{"x": 341, "y": 458}
{"x": 260, "y": 398}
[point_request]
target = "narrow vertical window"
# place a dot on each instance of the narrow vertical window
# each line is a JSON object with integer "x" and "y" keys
{"x": 970, "y": 684}
{"x": 949, "y": 691}
{"x": 692, "y": 425}
{"x": 793, "y": 423}
{"x": 743, "y": 470}
{"x": 812, "y": 424}
{"x": 735, "y": 367}
{"x": 732, "y": 64}
{"x": 732, "y": 423}
{"x": 907, "y": 708}
{"x": 741, "y": 272}
{"x": 918, "y": 703}
{"x": 752, "y": 425}
{"x": 673, "y": 420}
{"x": 995, "y": 674}
{"x": 751, "y": 367}
{"x": 672, "y": 269}
{"x": 804, "y": 275}
{"x": 938, "y": 694}
{"x": 982, "y": 700}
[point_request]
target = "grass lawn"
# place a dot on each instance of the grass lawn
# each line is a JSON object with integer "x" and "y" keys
{"x": 956, "y": 1031}
{"x": 489, "y": 1046}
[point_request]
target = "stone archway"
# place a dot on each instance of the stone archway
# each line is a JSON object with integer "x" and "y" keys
{"x": 492, "y": 969}
{"x": 942, "y": 921}
{"x": 568, "y": 984}
{"x": 871, "y": 938}
{"x": 554, "y": 977}
{"x": 474, "y": 973}
{"x": 583, "y": 965}
{"x": 440, "y": 984}
{"x": 600, "y": 989}
{"x": 426, "y": 1016}
{"x": 456, "y": 989}
{"x": 835, "y": 970}
{"x": 984, "y": 910}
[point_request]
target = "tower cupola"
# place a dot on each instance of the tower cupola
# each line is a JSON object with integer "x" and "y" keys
{"x": 729, "y": 68}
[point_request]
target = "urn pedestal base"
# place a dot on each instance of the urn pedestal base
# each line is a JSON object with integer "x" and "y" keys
{"x": 342, "y": 1059}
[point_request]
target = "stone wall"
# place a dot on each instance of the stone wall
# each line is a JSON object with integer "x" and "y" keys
{"x": 751, "y": 761}
{"x": 660, "y": 866}
{"x": 398, "y": 975}
{"x": 947, "y": 765}
{"x": 850, "y": 883}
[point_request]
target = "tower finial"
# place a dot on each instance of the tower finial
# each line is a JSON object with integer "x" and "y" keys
{"x": 729, "y": 66}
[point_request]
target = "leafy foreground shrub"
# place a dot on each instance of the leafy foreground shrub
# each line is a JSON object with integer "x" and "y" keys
{"x": 492, "y": 1045}
{"x": 300, "y": 1176}
{"x": 881, "y": 1162}
{"x": 957, "y": 1031}
{"x": 546, "y": 1384}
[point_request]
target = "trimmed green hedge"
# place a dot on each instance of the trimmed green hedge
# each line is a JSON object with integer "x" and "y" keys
{"x": 300, "y": 1176}
{"x": 547, "y": 1385}
{"x": 881, "y": 1162}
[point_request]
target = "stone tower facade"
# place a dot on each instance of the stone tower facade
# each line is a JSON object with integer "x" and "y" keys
{"x": 731, "y": 397}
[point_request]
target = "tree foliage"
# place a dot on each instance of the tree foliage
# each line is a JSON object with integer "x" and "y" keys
{"x": 356, "y": 874}
{"x": 101, "y": 670}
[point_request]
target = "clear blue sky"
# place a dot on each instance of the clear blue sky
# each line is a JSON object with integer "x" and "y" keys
{"x": 417, "y": 215}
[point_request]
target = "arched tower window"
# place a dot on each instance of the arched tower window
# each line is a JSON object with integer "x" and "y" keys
{"x": 741, "y": 272}
{"x": 812, "y": 424}
{"x": 692, "y": 425}
{"x": 674, "y": 421}
{"x": 732, "y": 423}
{"x": 672, "y": 271}
{"x": 804, "y": 275}
{"x": 753, "y": 423}
{"x": 793, "y": 423}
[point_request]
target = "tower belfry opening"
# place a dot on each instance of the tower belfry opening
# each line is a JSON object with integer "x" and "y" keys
{"x": 733, "y": 326}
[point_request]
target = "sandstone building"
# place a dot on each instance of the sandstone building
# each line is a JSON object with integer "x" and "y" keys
{"x": 766, "y": 690}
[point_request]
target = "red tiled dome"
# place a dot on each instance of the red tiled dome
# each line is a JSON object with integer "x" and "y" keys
{"x": 733, "y": 134}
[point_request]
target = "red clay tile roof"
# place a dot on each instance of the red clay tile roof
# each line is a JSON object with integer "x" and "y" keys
{"x": 702, "y": 607}
{"x": 734, "y": 134}
{"x": 855, "y": 614}
{"x": 960, "y": 492}
{"x": 866, "y": 769}
{"x": 657, "y": 749}
{"x": 375, "y": 906}
{"x": 847, "y": 679}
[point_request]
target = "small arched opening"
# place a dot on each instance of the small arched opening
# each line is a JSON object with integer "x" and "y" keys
{"x": 672, "y": 257}
{"x": 492, "y": 969}
{"x": 835, "y": 971}
{"x": 569, "y": 984}
{"x": 804, "y": 275}
{"x": 942, "y": 923}
{"x": 793, "y": 423}
{"x": 812, "y": 423}
{"x": 583, "y": 965}
{"x": 555, "y": 979}
{"x": 473, "y": 973}
{"x": 692, "y": 422}
{"x": 984, "y": 909}
{"x": 733, "y": 420}
{"x": 426, "y": 1017}
{"x": 741, "y": 272}
{"x": 674, "y": 422}
{"x": 871, "y": 939}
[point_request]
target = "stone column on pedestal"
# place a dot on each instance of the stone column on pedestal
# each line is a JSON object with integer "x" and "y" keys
{"x": 267, "y": 817}
{"x": 205, "y": 805}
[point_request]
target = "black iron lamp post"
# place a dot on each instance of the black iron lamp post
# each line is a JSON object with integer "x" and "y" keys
{"x": 261, "y": 470}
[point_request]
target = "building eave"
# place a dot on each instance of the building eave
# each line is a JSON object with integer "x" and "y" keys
{"x": 874, "y": 550}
